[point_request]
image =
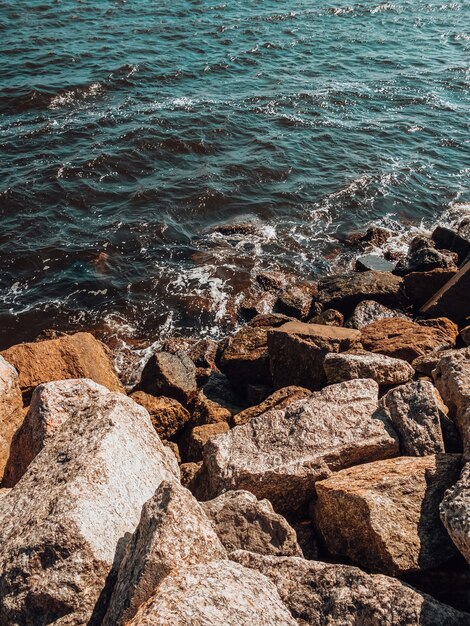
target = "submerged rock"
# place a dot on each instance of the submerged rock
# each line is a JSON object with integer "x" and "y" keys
{"x": 11, "y": 410}
{"x": 383, "y": 369}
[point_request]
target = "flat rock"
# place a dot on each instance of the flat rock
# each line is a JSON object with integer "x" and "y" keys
{"x": 384, "y": 516}
{"x": 171, "y": 375}
{"x": 297, "y": 351}
{"x": 244, "y": 522}
{"x": 279, "y": 399}
{"x": 403, "y": 339}
{"x": 415, "y": 412}
{"x": 451, "y": 300}
{"x": 369, "y": 311}
{"x": 62, "y": 524}
{"x": 167, "y": 414}
{"x": 383, "y": 369}
{"x": 245, "y": 357}
{"x": 70, "y": 356}
{"x": 173, "y": 533}
{"x": 455, "y": 512}
{"x": 221, "y": 593}
{"x": 419, "y": 287}
{"x": 374, "y": 262}
{"x": 11, "y": 410}
{"x": 280, "y": 454}
{"x": 330, "y": 594}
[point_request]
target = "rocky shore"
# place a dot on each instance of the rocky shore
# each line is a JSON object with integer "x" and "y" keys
{"x": 311, "y": 469}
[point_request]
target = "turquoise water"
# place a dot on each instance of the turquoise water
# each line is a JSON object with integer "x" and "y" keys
{"x": 130, "y": 130}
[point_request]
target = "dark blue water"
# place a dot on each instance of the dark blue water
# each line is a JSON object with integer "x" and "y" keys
{"x": 130, "y": 130}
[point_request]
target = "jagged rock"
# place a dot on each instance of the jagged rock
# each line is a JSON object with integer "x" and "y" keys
{"x": 296, "y": 300}
{"x": 384, "y": 370}
{"x": 202, "y": 352}
{"x": 329, "y": 317}
{"x": 272, "y": 281}
{"x": 69, "y": 356}
{"x": 465, "y": 335}
{"x": 11, "y": 410}
{"x": 422, "y": 257}
{"x": 172, "y": 375}
{"x": 173, "y": 533}
{"x": 451, "y": 300}
{"x": 445, "y": 238}
{"x": 403, "y": 339}
{"x": 253, "y": 304}
{"x": 64, "y": 523}
{"x": 197, "y": 438}
{"x": 455, "y": 512}
{"x": 205, "y": 411}
{"x": 280, "y": 454}
{"x": 415, "y": 412}
{"x": 329, "y": 594}
{"x": 447, "y": 326}
{"x": 297, "y": 351}
{"x": 419, "y": 287}
{"x": 345, "y": 291}
{"x": 384, "y": 516}
{"x": 373, "y": 262}
{"x": 279, "y": 399}
{"x": 245, "y": 357}
{"x": 244, "y": 522}
{"x": 168, "y": 415}
{"x": 215, "y": 594}
{"x": 369, "y": 311}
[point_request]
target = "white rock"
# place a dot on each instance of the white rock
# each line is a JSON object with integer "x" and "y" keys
{"x": 385, "y": 370}
{"x": 455, "y": 512}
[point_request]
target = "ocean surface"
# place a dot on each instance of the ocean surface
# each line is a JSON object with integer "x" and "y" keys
{"x": 130, "y": 131}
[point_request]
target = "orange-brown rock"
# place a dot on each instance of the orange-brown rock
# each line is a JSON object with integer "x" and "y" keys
{"x": 279, "y": 400}
{"x": 205, "y": 411}
{"x": 404, "y": 339}
{"x": 11, "y": 410}
{"x": 168, "y": 415}
{"x": 198, "y": 437}
{"x": 245, "y": 357}
{"x": 71, "y": 356}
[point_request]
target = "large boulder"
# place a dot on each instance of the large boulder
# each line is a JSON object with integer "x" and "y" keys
{"x": 451, "y": 300}
{"x": 280, "y": 454}
{"x": 167, "y": 414}
{"x": 383, "y": 369}
{"x": 70, "y": 356}
{"x": 297, "y": 351}
{"x": 419, "y": 287}
{"x": 415, "y": 411}
{"x": 368, "y": 311}
{"x": 423, "y": 257}
{"x": 279, "y": 399}
{"x": 330, "y": 594}
{"x": 63, "y": 525}
{"x": 11, "y": 410}
{"x": 455, "y": 512}
{"x": 455, "y": 240}
{"x": 173, "y": 533}
{"x": 171, "y": 375}
{"x": 215, "y": 594}
{"x": 403, "y": 339}
{"x": 244, "y": 522}
{"x": 384, "y": 516}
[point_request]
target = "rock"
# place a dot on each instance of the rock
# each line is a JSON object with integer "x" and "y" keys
{"x": 245, "y": 357}
{"x": 280, "y": 454}
{"x": 221, "y": 593}
{"x": 427, "y": 363}
{"x": 65, "y": 522}
{"x": 253, "y": 304}
{"x": 375, "y": 263}
{"x": 199, "y": 436}
{"x": 419, "y": 287}
{"x": 449, "y": 585}
{"x": 369, "y": 311}
{"x": 414, "y": 410}
{"x": 205, "y": 411}
{"x": 172, "y": 375}
{"x": 11, "y": 410}
{"x": 297, "y": 351}
{"x": 306, "y": 538}
{"x": 296, "y": 300}
{"x": 465, "y": 335}
{"x": 174, "y": 448}
{"x": 330, "y": 594}
{"x": 445, "y": 238}
{"x": 448, "y": 328}
{"x": 423, "y": 257}
{"x": 173, "y": 533}
{"x": 244, "y": 522}
{"x": 403, "y": 339}
{"x": 384, "y": 370}
{"x": 70, "y": 356}
{"x": 329, "y": 317}
{"x": 272, "y": 320}
{"x": 375, "y": 236}
{"x": 384, "y": 516}
{"x": 219, "y": 390}
{"x": 455, "y": 512}
{"x": 451, "y": 300}
{"x": 237, "y": 228}
{"x": 189, "y": 474}
{"x": 345, "y": 291}
{"x": 168, "y": 415}
{"x": 202, "y": 352}
{"x": 279, "y": 399}
{"x": 272, "y": 281}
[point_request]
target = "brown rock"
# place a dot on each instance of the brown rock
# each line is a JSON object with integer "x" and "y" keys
{"x": 419, "y": 287}
{"x": 448, "y": 239}
{"x": 272, "y": 320}
{"x": 202, "y": 352}
{"x": 253, "y": 304}
{"x": 199, "y": 436}
{"x": 422, "y": 257}
{"x": 427, "y": 363}
{"x": 444, "y": 324}
{"x": 272, "y": 281}
{"x": 174, "y": 448}
{"x": 329, "y": 317}
{"x": 189, "y": 473}
{"x": 70, "y": 356}
{"x": 384, "y": 515}
{"x": 465, "y": 335}
{"x": 205, "y": 411}
{"x": 296, "y": 300}
{"x": 172, "y": 375}
{"x": 455, "y": 512}
{"x": 245, "y": 357}
{"x": 279, "y": 399}
{"x": 451, "y": 300}
{"x": 168, "y": 415}
{"x": 11, "y": 410}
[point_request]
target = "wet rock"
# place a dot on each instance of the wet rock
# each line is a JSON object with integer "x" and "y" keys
{"x": 245, "y": 357}
{"x": 384, "y": 516}
{"x": 403, "y": 339}
{"x": 173, "y": 533}
{"x": 445, "y": 238}
{"x": 423, "y": 257}
{"x": 340, "y": 595}
{"x": 375, "y": 236}
{"x": 419, "y": 287}
{"x": 202, "y": 352}
{"x": 215, "y": 594}
{"x": 272, "y": 281}
{"x": 369, "y": 311}
{"x": 238, "y": 228}
{"x": 297, "y": 351}
{"x": 272, "y": 320}
{"x": 345, "y": 291}
{"x": 415, "y": 412}
{"x": 296, "y": 300}
{"x": 451, "y": 300}
{"x": 70, "y": 356}
{"x": 197, "y": 438}
{"x": 253, "y": 304}
{"x": 171, "y": 375}
{"x": 168, "y": 415}
{"x": 455, "y": 512}
{"x": 279, "y": 399}
{"x": 383, "y": 369}
{"x": 280, "y": 454}
{"x": 375, "y": 263}
{"x": 329, "y": 317}
{"x": 465, "y": 335}
{"x": 11, "y": 410}
{"x": 205, "y": 411}
{"x": 64, "y": 522}
{"x": 244, "y": 522}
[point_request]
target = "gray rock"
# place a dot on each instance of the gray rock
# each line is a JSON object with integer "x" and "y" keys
{"x": 423, "y": 257}
{"x": 455, "y": 512}
{"x": 11, "y": 410}
{"x": 172, "y": 534}
{"x": 415, "y": 412}
{"x": 280, "y": 454}
{"x": 374, "y": 262}
{"x": 63, "y": 524}
{"x": 221, "y": 593}
{"x": 452, "y": 298}
{"x": 329, "y": 594}
{"x": 244, "y": 522}
{"x": 171, "y": 375}
{"x": 427, "y": 363}
{"x": 369, "y": 311}
{"x": 383, "y": 369}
